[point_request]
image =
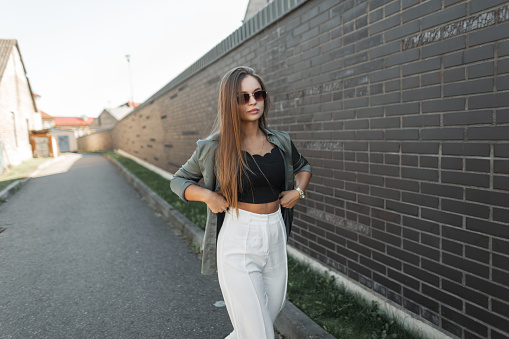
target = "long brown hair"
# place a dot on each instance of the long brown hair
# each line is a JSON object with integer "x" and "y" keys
{"x": 229, "y": 160}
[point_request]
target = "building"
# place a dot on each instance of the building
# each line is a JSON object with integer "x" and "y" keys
{"x": 110, "y": 116}
{"x": 18, "y": 110}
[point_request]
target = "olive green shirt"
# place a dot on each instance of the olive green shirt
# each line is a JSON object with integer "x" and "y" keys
{"x": 201, "y": 165}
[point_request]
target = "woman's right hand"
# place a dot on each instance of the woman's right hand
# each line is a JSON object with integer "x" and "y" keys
{"x": 216, "y": 202}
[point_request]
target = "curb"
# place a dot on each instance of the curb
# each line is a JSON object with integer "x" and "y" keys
{"x": 16, "y": 185}
{"x": 291, "y": 322}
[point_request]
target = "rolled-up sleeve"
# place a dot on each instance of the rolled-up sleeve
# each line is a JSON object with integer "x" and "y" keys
{"x": 300, "y": 164}
{"x": 189, "y": 174}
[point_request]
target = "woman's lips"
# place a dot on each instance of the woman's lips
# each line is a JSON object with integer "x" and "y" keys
{"x": 253, "y": 111}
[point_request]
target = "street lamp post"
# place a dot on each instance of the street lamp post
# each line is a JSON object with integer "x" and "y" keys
{"x": 128, "y": 57}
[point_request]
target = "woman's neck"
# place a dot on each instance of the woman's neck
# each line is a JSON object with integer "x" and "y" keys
{"x": 251, "y": 130}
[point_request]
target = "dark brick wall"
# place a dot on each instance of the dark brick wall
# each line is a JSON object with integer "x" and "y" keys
{"x": 402, "y": 108}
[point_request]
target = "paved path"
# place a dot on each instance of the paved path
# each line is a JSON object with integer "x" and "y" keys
{"x": 83, "y": 256}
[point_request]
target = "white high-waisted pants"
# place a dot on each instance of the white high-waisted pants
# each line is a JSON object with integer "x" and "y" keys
{"x": 252, "y": 270}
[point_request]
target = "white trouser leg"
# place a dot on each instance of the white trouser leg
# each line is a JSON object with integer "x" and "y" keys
{"x": 252, "y": 271}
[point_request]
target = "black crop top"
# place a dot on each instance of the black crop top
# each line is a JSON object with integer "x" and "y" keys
{"x": 266, "y": 180}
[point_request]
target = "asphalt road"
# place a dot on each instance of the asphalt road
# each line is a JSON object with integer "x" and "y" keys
{"x": 83, "y": 256}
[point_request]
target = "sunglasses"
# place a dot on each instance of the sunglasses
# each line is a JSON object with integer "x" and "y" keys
{"x": 243, "y": 98}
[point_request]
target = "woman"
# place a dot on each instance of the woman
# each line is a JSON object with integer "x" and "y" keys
{"x": 253, "y": 178}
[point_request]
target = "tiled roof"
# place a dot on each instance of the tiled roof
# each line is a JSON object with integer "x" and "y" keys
{"x": 45, "y": 115}
{"x": 119, "y": 112}
{"x": 73, "y": 121}
{"x": 6, "y": 46}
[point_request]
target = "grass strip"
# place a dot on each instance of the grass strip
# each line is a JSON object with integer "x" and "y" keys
{"x": 342, "y": 314}
{"x": 193, "y": 210}
{"x": 20, "y": 171}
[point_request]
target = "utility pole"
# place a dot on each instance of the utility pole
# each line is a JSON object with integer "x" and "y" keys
{"x": 128, "y": 57}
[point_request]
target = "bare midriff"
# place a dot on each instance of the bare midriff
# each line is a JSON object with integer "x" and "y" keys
{"x": 266, "y": 208}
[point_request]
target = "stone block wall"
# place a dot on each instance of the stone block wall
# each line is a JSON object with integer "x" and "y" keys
{"x": 401, "y": 107}
{"x": 99, "y": 141}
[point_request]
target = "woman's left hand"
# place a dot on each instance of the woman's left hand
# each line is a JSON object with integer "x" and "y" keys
{"x": 288, "y": 199}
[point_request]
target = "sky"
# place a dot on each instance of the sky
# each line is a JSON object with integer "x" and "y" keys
{"x": 75, "y": 51}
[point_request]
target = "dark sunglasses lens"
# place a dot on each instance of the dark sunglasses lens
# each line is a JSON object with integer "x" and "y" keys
{"x": 243, "y": 98}
{"x": 260, "y": 95}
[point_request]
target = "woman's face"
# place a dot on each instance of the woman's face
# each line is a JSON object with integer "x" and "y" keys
{"x": 252, "y": 110}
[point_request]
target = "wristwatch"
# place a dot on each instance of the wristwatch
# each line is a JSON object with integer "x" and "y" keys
{"x": 301, "y": 192}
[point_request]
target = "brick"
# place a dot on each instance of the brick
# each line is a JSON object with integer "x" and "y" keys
{"x": 431, "y": 79}
{"x": 466, "y": 149}
{"x": 421, "y": 10}
{"x": 461, "y": 207}
{"x": 383, "y": 25}
{"x": 443, "y": 16}
{"x": 411, "y": 82}
{"x": 470, "y": 55}
{"x": 467, "y": 179}
{"x": 422, "y": 66}
{"x": 402, "y": 57}
{"x": 503, "y": 48}
{"x": 420, "y": 148}
{"x": 452, "y": 246}
{"x": 420, "y": 199}
{"x": 452, "y": 163}
{"x": 493, "y": 33}
{"x": 466, "y": 265}
{"x": 443, "y": 105}
{"x": 477, "y": 165}
{"x": 501, "y": 277}
{"x": 402, "y": 184}
{"x": 443, "y": 47}
{"x": 428, "y": 120}
{"x": 384, "y": 123}
{"x": 355, "y": 36}
{"x": 488, "y": 227}
{"x": 468, "y": 118}
{"x": 422, "y": 250}
{"x": 488, "y": 133}
{"x": 501, "y": 166}
{"x": 385, "y": 49}
{"x": 402, "y": 207}
{"x": 410, "y": 160}
{"x": 488, "y": 317}
{"x": 502, "y": 150}
{"x": 402, "y": 109}
{"x": 422, "y": 93}
{"x": 460, "y": 318}
{"x": 442, "y": 270}
{"x": 480, "y": 6}
{"x": 401, "y": 31}
{"x": 503, "y": 83}
{"x": 384, "y": 146}
{"x": 403, "y": 279}
{"x": 421, "y": 300}
{"x": 402, "y": 134}
{"x": 443, "y": 296}
{"x": 393, "y": 85}
{"x": 503, "y": 66}
{"x": 501, "y": 246}
{"x": 385, "y": 74}
{"x": 392, "y": 8}
{"x": 500, "y": 307}
{"x": 455, "y": 74}
{"x": 441, "y": 217}
{"x": 447, "y": 325}
{"x": 465, "y": 236}
{"x": 501, "y": 214}
{"x": 477, "y": 254}
{"x": 481, "y": 70}
{"x": 468, "y": 87}
{"x": 442, "y": 134}
{"x": 465, "y": 293}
